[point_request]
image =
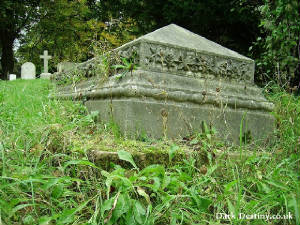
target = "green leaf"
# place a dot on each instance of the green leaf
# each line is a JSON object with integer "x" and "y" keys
{"x": 277, "y": 184}
{"x": 125, "y": 61}
{"x": 139, "y": 211}
{"x": 140, "y": 208}
{"x": 205, "y": 128}
{"x": 108, "y": 183}
{"x": 118, "y": 67}
{"x": 264, "y": 187}
{"x": 172, "y": 152}
{"x": 129, "y": 217}
{"x": 157, "y": 170}
{"x": 293, "y": 204}
{"x": 80, "y": 162}
{"x": 194, "y": 141}
{"x": 28, "y": 219}
{"x": 156, "y": 184}
{"x": 231, "y": 208}
{"x": 208, "y": 136}
{"x": 120, "y": 76}
{"x": 45, "y": 220}
{"x": 68, "y": 215}
{"x": 105, "y": 173}
{"x": 19, "y": 207}
{"x": 204, "y": 204}
{"x": 166, "y": 182}
{"x": 126, "y": 156}
{"x": 49, "y": 184}
{"x": 58, "y": 190}
{"x": 2, "y": 159}
{"x": 122, "y": 206}
{"x": 107, "y": 205}
{"x": 229, "y": 186}
{"x": 143, "y": 193}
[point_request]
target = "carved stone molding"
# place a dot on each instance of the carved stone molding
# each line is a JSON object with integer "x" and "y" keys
{"x": 180, "y": 61}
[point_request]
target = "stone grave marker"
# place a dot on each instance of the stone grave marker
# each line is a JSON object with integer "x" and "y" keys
{"x": 184, "y": 83}
{"x": 12, "y": 76}
{"x": 65, "y": 66}
{"x": 28, "y": 71}
{"x": 45, "y": 57}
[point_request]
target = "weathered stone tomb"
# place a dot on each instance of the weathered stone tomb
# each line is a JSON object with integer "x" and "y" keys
{"x": 182, "y": 82}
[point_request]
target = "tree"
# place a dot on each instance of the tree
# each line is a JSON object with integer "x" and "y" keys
{"x": 232, "y": 23}
{"x": 70, "y": 30}
{"x": 278, "y": 47}
{"x": 15, "y": 17}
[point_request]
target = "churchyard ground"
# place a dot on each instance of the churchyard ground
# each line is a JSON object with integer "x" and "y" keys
{"x": 46, "y": 177}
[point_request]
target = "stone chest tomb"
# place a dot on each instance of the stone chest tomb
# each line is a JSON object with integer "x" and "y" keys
{"x": 182, "y": 81}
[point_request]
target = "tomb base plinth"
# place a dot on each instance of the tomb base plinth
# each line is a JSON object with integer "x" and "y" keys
{"x": 162, "y": 105}
{"x": 45, "y": 76}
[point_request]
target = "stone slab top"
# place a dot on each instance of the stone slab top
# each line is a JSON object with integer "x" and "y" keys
{"x": 178, "y": 36}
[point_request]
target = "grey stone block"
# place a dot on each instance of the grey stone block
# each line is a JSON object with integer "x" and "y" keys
{"x": 183, "y": 81}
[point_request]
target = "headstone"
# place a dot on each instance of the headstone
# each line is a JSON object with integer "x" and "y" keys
{"x": 28, "y": 71}
{"x": 184, "y": 84}
{"x": 45, "y": 57}
{"x": 12, "y": 76}
{"x": 65, "y": 66}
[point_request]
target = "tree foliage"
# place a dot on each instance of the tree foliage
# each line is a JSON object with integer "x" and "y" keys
{"x": 232, "y": 23}
{"x": 278, "y": 48}
{"x": 15, "y": 17}
{"x": 73, "y": 30}
{"x": 70, "y": 32}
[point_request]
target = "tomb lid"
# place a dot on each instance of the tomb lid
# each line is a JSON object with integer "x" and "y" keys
{"x": 178, "y": 36}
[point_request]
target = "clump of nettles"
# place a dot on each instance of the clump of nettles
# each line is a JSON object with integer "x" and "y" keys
{"x": 105, "y": 63}
{"x": 101, "y": 67}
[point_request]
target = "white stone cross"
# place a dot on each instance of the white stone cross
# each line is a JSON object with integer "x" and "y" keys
{"x": 46, "y": 57}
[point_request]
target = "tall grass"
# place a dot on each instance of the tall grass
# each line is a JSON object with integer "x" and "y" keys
{"x": 47, "y": 179}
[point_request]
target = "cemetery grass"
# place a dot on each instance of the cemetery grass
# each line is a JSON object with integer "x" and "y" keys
{"x": 46, "y": 177}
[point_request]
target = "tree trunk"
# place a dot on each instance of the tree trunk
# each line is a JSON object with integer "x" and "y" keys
{"x": 7, "y": 58}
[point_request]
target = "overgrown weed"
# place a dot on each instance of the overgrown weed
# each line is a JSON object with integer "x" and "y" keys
{"x": 46, "y": 177}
